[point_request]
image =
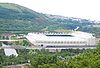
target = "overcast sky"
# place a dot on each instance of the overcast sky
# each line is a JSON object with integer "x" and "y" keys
{"x": 89, "y": 9}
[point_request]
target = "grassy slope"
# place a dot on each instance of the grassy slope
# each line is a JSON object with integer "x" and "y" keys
{"x": 17, "y": 18}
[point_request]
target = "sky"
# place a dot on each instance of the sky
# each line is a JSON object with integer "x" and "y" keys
{"x": 87, "y": 9}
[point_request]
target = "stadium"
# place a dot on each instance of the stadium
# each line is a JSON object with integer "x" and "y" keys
{"x": 75, "y": 39}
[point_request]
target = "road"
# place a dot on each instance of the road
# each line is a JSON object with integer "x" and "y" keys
{"x": 33, "y": 47}
{"x": 8, "y": 40}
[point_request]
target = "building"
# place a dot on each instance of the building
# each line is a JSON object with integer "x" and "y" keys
{"x": 9, "y": 51}
{"x": 76, "y": 39}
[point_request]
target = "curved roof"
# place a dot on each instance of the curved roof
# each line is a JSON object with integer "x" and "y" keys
{"x": 42, "y": 37}
{"x": 82, "y": 34}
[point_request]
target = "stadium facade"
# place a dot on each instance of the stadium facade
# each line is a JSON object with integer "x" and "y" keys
{"x": 62, "y": 40}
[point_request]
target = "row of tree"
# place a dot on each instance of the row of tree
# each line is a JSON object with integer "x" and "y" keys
{"x": 70, "y": 58}
{"x": 88, "y": 59}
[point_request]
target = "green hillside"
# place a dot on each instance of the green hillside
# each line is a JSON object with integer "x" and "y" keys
{"x": 18, "y": 19}
{"x": 15, "y": 18}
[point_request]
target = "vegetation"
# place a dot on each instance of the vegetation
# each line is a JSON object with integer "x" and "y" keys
{"x": 70, "y": 58}
{"x": 18, "y": 19}
{"x": 88, "y": 59}
{"x": 37, "y": 58}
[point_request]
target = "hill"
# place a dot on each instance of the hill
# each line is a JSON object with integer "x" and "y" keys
{"x": 72, "y": 23}
{"x": 18, "y": 19}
